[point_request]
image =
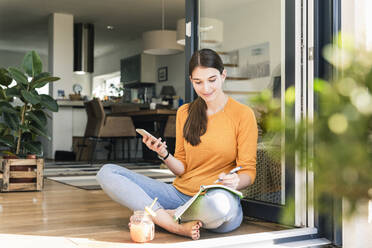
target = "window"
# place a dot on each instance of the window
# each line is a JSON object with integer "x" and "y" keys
{"x": 107, "y": 85}
{"x": 113, "y": 85}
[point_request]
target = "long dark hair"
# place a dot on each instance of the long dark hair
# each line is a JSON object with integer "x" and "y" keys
{"x": 196, "y": 122}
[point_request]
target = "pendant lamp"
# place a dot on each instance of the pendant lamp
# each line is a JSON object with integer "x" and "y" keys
{"x": 161, "y": 42}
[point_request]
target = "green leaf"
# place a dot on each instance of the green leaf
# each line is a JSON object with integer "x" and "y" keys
{"x": 2, "y": 94}
{"x": 24, "y": 128}
{"x": 43, "y": 81}
{"x": 5, "y": 79}
{"x": 8, "y": 108}
{"x": 11, "y": 121}
{"x": 32, "y": 64}
{"x": 48, "y": 102}
{"x": 7, "y": 140}
{"x": 33, "y": 91}
{"x": 33, "y": 147}
{"x": 8, "y": 153}
{"x": 42, "y": 75}
{"x": 30, "y": 97}
{"x": 39, "y": 132}
{"x": 18, "y": 76}
{"x": 3, "y": 127}
{"x": 38, "y": 116}
{"x": 12, "y": 92}
{"x": 37, "y": 126}
{"x": 319, "y": 84}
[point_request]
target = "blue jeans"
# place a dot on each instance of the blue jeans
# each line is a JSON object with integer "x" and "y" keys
{"x": 218, "y": 210}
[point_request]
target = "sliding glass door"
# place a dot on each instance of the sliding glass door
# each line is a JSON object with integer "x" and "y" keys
{"x": 258, "y": 43}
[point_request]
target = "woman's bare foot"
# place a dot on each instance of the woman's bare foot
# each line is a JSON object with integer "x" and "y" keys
{"x": 190, "y": 229}
{"x": 164, "y": 219}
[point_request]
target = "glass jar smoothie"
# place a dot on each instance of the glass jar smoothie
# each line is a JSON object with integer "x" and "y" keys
{"x": 142, "y": 227}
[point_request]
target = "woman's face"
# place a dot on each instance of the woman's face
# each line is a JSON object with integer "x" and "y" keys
{"x": 207, "y": 82}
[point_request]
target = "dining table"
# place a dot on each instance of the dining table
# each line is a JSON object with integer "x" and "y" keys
{"x": 153, "y": 121}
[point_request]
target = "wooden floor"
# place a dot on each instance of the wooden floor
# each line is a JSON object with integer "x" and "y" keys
{"x": 82, "y": 218}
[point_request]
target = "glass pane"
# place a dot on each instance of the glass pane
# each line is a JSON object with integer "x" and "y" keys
{"x": 247, "y": 34}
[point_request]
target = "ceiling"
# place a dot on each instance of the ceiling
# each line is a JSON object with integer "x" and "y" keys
{"x": 24, "y": 23}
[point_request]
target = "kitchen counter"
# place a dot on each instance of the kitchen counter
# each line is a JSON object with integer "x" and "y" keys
{"x": 68, "y": 103}
{"x": 106, "y": 104}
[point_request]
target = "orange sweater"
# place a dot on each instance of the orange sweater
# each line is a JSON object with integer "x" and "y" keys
{"x": 230, "y": 141}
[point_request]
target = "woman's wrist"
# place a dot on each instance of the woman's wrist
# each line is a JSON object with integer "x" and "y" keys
{"x": 163, "y": 154}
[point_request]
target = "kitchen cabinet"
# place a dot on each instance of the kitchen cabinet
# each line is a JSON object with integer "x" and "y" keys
{"x": 139, "y": 68}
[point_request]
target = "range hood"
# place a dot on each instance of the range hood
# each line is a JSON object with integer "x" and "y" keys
{"x": 83, "y": 48}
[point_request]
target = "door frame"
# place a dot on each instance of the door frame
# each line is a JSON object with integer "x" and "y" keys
{"x": 323, "y": 24}
{"x": 268, "y": 211}
{"x": 327, "y": 23}
{"x": 257, "y": 209}
{"x": 191, "y": 43}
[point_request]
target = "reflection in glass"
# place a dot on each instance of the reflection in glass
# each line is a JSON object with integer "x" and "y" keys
{"x": 247, "y": 35}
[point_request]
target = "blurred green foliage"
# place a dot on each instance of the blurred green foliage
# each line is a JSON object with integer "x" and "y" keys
{"x": 342, "y": 125}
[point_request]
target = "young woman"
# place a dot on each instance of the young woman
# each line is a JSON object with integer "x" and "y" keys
{"x": 214, "y": 134}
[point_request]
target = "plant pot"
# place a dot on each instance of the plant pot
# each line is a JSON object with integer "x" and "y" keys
{"x": 22, "y": 175}
{"x": 31, "y": 156}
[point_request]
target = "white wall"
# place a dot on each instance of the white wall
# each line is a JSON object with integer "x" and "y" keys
{"x": 255, "y": 23}
{"x": 60, "y": 64}
{"x": 109, "y": 63}
{"x": 252, "y": 23}
{"x": 86, "y": 83}
{"x": 14, "y": 59}
{"x": 61, "y": 51}
{"x": 176, "y": 72}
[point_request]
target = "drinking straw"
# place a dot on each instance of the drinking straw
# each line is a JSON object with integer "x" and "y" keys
{"x": 149, "y": 209}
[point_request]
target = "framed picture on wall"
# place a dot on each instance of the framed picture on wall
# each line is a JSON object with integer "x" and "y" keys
{"x": 163, "y": 74}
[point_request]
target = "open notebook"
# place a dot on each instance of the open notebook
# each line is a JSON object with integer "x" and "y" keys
{"x": 203, "y": 188}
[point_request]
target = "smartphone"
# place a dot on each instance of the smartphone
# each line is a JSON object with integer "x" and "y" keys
{"x": 143, "y": 132}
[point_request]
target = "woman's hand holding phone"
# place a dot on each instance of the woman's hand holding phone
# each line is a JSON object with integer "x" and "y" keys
{"x": 156, "y": 145}
{"x": 153, "y": 143}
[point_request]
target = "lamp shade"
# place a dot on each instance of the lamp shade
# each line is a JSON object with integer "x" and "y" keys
{"x": 181, "y": 31}
{"x": 211, "y": 31}
{"x": 160, "y": 42}
{"x": 167, "y": 90}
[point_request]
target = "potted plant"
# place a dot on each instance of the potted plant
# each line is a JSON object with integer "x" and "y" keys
{"x": 24, "y": 112}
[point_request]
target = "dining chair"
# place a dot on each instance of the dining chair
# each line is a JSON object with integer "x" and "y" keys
{"x": 105, "y": 127}
{"x": 170, "y": 133}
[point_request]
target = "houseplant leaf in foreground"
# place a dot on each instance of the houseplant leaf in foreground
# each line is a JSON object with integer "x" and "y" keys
{"x": 5, "y": 79}
{"x": 48, "y": 102}
{"x": 32, "y": 64}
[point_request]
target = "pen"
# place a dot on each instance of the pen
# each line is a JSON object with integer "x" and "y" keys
{"x": 231, "y": 172}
